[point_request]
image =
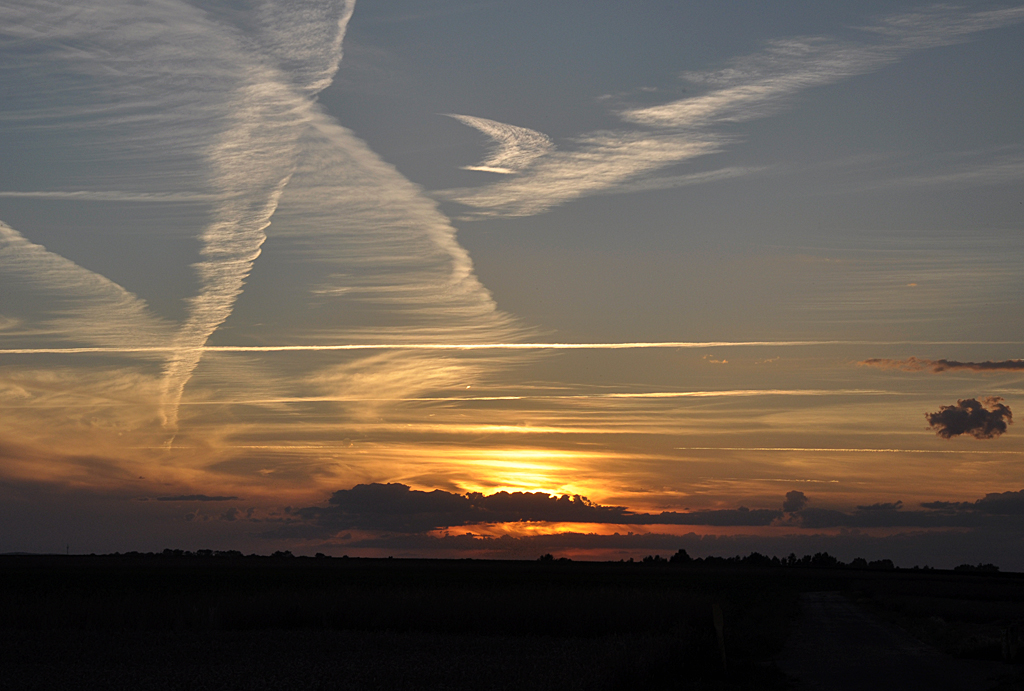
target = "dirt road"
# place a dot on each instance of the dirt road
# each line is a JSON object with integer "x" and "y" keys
{"x": 839, "y": 647}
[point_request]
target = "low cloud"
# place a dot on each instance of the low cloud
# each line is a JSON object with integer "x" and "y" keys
{"x": 981, "y": 420}
{"x": 998, "y": 509}
{"x": 195, "y": 497}
{"x": 995, "y": 503}
{"x": 398, "y": 508}
{"x": 913, "y": 364}
{"x": 795, "y": 501}
{"x": 880, "y": 506}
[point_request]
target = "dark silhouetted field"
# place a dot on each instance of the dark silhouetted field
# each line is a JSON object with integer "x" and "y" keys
{"x": 169, "y": 622}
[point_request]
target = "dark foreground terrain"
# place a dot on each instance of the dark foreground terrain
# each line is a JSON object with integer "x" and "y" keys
{"x": 233, "y": 622}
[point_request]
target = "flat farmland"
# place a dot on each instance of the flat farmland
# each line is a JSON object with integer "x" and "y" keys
{"x": 169, "y": 622}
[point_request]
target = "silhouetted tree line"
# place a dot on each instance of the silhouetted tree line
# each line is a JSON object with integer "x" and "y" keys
{"x": 819, "y": 560}
{"x": 203, "y": 554}
{"x": 989, "y": 568}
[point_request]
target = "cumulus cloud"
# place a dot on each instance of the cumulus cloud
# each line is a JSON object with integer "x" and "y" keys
{"x": 981, "y": 420}
{"x": 795, "y": 500}
{"x": 396, "y": 507}
{"x": 914, "y": 364}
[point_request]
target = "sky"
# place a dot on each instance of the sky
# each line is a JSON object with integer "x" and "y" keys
{"x": 466, "y": 278}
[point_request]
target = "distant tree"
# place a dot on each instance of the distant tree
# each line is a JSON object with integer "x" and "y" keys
{"x": 824, "y": 559}
{"x": 656, "y": 559}
{"x": 882, "y": 564}
{"x": 791, "y": 559}
{"x": 285, "y": 553}
{"x": 546, "y": 557}
{"x": 989, "y": 568}
{"x": 757, "y": 559}
{"x": 859, "y": 563}
{"x": 680, "y": 557}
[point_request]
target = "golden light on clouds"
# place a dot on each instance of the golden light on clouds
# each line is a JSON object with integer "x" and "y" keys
{"x": 281, "y": 301}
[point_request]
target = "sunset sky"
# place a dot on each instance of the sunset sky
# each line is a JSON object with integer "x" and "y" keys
{"x": 331, "y": 276}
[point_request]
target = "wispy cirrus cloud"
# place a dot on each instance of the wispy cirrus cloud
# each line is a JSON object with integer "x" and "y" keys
{"x": 1005, "y": 169}
{"x": 252, "y": 159}
{"x": 378, "y": 260}
{"x": 749, "y": 88}
{"x": 515, "y": 147}
{"x": 185, "y": 101}
{"x": 112, "y": 196}
{"x": 80, "y": 306}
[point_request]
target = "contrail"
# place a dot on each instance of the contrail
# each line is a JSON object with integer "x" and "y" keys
{"x": 515, "y": 147}
{"x": 736, "y": 393}
{"x": 560, "y": 397}
{"x": 84, "y": 305}
{"x": 252, "y": 162}
{"x": 749, "y": 88}
{"x": 800, "y": 448}
{"x": 633, "y": 345}
{"x": 114, "y": 196}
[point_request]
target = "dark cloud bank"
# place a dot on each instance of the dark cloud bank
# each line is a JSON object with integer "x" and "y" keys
{"x": 981, "y": 420}
{"x": 395, "y": 508}
{"x": 195, "y": 497}
{"x": 938, "y": 533}
{"x": 913, "y": 364}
